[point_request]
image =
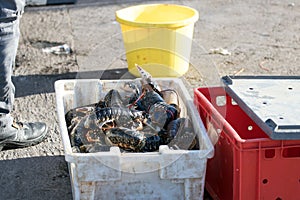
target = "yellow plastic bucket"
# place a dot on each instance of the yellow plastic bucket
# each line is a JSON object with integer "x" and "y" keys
{"x": 158, "y": 37}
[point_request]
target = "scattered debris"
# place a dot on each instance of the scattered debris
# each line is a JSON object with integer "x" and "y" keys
{"x": 60, "y": 49}
{"x": 261, "y": 65}
{"x": 265, "y": 34}
{"x": 292, "y": 4}
{"x": 238, "y": 72}
{"x": 227, "y": 62}
{"x": 221, "y": 51}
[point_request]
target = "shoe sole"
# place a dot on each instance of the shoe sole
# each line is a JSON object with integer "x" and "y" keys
{"x": 14, "y": 144}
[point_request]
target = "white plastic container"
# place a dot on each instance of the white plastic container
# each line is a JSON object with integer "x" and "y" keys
{"x": 166, "y": 174}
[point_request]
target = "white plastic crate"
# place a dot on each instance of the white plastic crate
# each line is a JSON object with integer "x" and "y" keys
{"x": 166, "y": 174}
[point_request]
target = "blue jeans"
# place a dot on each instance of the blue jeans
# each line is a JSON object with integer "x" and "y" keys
{"x": 10, "y": 12}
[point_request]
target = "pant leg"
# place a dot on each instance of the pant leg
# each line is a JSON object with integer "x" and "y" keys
{"x": 10, "y": 11}
{"x": 9, "y": 37}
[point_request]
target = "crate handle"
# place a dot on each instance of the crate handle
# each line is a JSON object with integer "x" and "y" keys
{"x": 291, "y": 152}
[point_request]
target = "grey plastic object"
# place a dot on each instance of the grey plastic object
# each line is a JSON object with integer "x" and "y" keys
{"x": 48, "y": 2}
{"x": 272, "y": 102}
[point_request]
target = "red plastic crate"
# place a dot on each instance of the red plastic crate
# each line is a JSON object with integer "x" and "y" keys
{"x": 247, "y": 164}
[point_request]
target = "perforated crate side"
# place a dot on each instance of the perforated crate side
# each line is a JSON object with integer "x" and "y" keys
{"x": 247, "y": 164}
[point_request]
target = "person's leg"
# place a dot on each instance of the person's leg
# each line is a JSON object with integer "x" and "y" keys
{"x": 12, "y": 134}
{"x": 9, "y": 37}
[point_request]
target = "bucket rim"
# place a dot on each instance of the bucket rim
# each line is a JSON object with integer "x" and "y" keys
{"x": 166, "y": 24}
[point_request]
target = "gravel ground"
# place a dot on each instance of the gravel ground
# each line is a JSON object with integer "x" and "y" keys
{"x": 262, "y": 37}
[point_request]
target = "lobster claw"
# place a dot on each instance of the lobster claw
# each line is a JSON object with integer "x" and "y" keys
{"x": 147, "y": 83}
{"x": 146, "y": 77}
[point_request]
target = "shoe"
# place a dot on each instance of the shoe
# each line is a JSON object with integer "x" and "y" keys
{"x": 23, "y": 135}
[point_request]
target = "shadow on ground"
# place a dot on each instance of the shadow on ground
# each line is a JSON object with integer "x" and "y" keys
{"x": 37, "y": 84}
{"x": 38, "y": 176}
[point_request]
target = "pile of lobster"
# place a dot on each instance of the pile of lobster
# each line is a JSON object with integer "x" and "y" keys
{"x": 148, "y": 118}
